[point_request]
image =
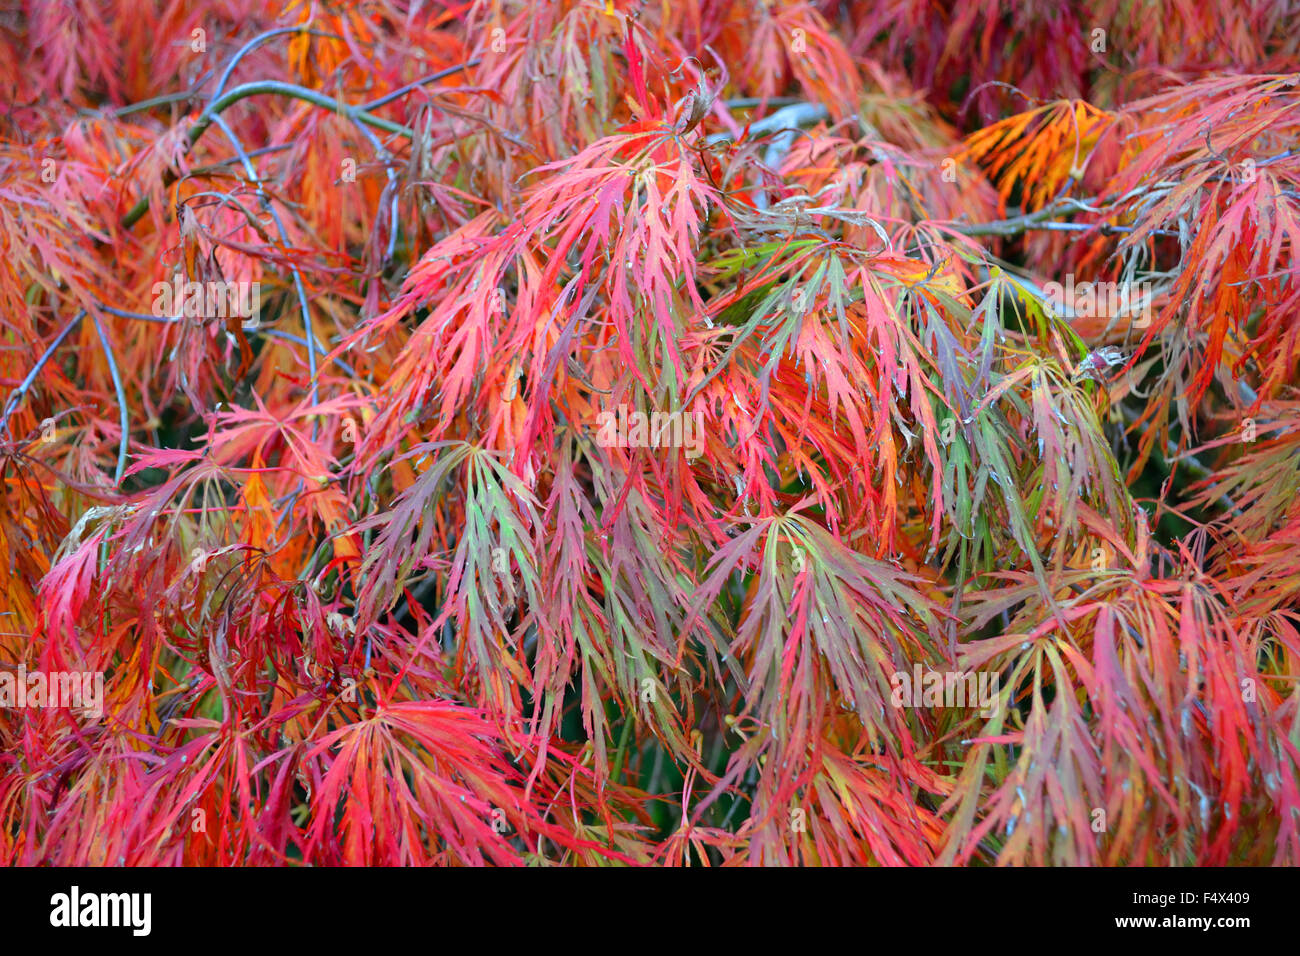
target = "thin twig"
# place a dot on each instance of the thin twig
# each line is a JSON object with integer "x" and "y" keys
{"x": 256, "y": 180}
{"x": 431, "y": 78}
{"x": 122, "y": 416}
{"x": 281, "y": 334}
{"x": 786, "y": 118}
{"x": 17, "y": 395}
{"x": 291, "y": 90}
{"x": 257, "y": 41}
{"x": 272, "y": 333}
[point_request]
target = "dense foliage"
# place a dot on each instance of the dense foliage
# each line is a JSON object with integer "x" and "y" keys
{"x": 636, "y": 402}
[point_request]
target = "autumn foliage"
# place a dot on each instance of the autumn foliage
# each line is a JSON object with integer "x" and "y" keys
{"x": 366, "y": 580}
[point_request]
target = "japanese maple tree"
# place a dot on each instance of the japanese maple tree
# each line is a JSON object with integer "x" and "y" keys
{"x": 934, "y": 344}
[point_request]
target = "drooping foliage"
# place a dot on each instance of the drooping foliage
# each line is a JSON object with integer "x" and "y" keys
{"x": 367, "y": 579}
